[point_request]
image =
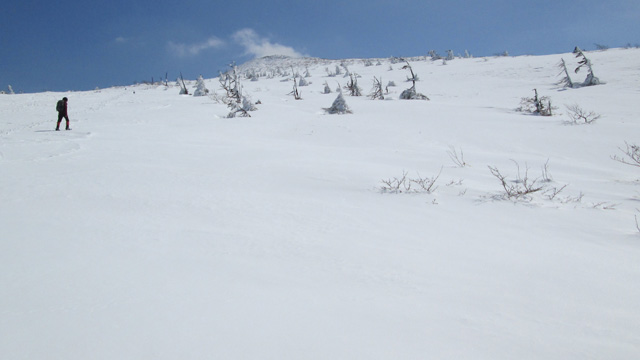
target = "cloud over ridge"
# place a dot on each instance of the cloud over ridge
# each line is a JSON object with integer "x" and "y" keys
{"x": 260, "y": 46}
{"x": 184, "y": 50}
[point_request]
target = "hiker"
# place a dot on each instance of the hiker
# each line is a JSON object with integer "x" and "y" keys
{"x": 62, "y": 112}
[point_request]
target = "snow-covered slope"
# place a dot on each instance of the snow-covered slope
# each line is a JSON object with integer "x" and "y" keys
{"x": 160, "y": 229}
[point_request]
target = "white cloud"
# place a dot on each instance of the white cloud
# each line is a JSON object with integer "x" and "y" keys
{"x": 257, "y": 46}
{"x": 121, "y": 40}
{"x": 184, "y": 50}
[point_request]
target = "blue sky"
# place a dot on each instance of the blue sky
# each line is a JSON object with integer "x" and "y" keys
{"x": 81, "y": 45}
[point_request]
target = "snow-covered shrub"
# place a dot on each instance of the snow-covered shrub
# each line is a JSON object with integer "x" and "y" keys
{"x": 330, "y": 73}
{"x": 303, "y": 82}
{"x": 201, "y": 89}
{"x": 241, "y": 109}
{"x": 247, "y": 105}
{"x": 412, "y": 94}
{"x": 434, "y": 55}
{"x": 339, "y": 106}
{"x": 10, "y": 90}
{"x": 536, "y": 105}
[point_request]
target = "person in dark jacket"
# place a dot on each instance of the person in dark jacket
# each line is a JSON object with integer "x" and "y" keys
{"x": 62, "y": 112}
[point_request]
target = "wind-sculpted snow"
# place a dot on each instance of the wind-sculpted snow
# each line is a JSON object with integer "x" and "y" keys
{"x": 160, "y": 229}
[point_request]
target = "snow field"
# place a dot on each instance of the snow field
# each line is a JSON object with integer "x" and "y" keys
{"x": 159, "y": 229}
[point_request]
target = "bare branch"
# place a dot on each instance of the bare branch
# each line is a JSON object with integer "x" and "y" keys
{"x": 457, "y": 158}
{"x": 404, "y": 184}
{"x": 580, "y": 116}
{"x": 519, "y": 188}
{"x": 632, "y": 155}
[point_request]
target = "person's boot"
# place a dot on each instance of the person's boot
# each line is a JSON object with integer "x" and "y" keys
{"x": 68, "y": 126}
{"x": 58, "y": 126}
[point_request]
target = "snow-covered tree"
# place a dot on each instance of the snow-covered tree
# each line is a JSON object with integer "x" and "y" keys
{"x": 347, "y": 73}
{"x": 201, "y": 89}
{"x": 352, "y": 85}
{"x": 566, "y": 80}
{"x": 183, "y": 86}
{"x": 11, "y": 90}
{"x": 376, "y": 91}
{"x": 591, "y": 78}
{"x": 327, "y": 89}
{"x": 330, "y": 73}
{"x": 450, "y": 55}
{"x": 295, "y": 93}
{"x": 414, "y": 77}
{"x": 236, "y": 101}
{"x": 411, "y": 93}
{"x": 339, "y": 106}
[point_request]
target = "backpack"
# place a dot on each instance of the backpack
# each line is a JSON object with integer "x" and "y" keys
{"x": 60, "y": 106}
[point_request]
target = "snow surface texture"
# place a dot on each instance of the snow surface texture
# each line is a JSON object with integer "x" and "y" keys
{"x": 159, "y": 229}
